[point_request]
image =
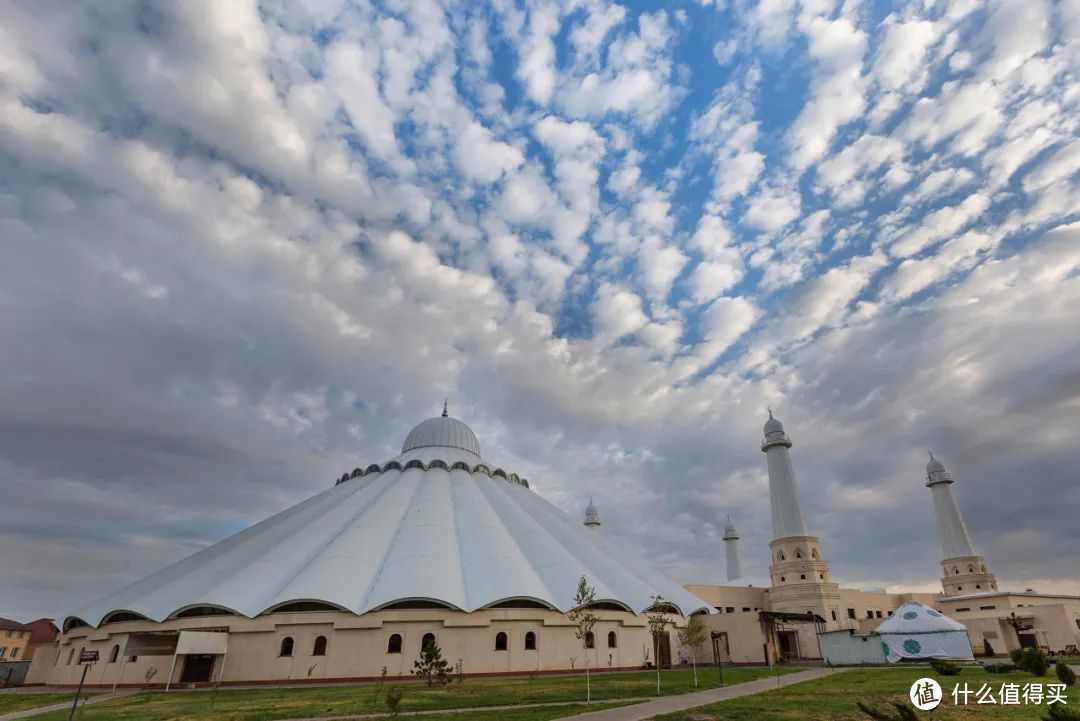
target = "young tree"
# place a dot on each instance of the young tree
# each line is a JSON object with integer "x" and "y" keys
{"x": 658, "y": 623}
{"x": 583, "y": 617}
{"x": 692, "y": 636}
{"x": 432, "y": 666}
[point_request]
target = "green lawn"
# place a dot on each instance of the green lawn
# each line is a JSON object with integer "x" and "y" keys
{"x": 834, "y": 697}
{"x": 10, "y": 702}
{"x": 266, "y": 704}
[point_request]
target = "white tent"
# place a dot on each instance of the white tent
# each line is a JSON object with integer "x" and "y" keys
{"x": 916, "y": 632}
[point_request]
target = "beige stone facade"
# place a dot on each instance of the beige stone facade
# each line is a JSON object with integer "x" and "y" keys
{"x": 359, "y": 647}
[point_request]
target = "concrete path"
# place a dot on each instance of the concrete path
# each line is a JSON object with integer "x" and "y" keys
{"x": 636, "y": 709}
{"x": 670, "y": 704}
{"x": 83, "y": 701}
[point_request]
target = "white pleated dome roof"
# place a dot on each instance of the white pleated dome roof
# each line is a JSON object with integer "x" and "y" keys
{"x": 436, "y": 524}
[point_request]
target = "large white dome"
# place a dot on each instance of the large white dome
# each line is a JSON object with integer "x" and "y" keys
{"x": 436, "y": 524}
{"x": 443, "y": 431}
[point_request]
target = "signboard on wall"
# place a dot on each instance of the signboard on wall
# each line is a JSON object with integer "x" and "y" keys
{"x": 203, "y": 642}
{"x": 151, "y": 644}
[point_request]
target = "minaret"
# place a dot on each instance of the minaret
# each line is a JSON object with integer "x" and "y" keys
{"x": 800, "y": 577}
{"x": 731, "y": 549}
{"x": 592, "y": 516}
{"x": 965, "y": 570}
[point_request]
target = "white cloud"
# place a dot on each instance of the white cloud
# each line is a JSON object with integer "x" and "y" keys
{"x": 940, "y": 224}
{"x": 899, "y": 63}
{"x": 480, "y": 157}
{"x": 772, "y": 209}
{"x": 537, "y": 67}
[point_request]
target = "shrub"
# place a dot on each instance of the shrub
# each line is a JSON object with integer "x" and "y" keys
{"x": 988, "y": 650}
{"x": 393, "y": 701}
{"x": 999, "y": 667}
{"x": 898, "y": 712}
{"x": 1037, "y": 662}
{"x": 1057, "y": 712}
{"x": 945, "y": 668}
{"x": 1031, "y": 660}
{"x": 1065, "y": 674}
{"x": 432, "y": 667}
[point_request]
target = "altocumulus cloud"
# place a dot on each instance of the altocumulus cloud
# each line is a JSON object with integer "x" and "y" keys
{"x": 246, "y": 246}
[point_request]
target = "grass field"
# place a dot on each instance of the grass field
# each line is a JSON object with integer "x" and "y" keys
{"x": 10, "y": 702}
{"x": 834, "y": 697}
{"x": 288, "y": 703}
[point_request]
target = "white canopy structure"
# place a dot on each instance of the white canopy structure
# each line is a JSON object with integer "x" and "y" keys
{"x": 436, "y": 526}
{"x": 916, "y": 632}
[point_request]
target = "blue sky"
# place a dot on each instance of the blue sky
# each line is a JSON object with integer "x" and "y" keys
{"x": 248, "y": 245}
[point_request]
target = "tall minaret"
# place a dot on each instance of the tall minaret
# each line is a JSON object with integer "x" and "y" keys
{"x": 731, "y": 549}
{"x": 965, "y": 570}
{"x": 800, "y": 577}
{"x": 592, "y": 516}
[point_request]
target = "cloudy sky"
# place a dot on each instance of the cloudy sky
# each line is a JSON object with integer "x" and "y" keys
{"x": 245, "y": 247}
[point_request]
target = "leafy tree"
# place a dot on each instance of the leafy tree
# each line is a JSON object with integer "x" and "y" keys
{"x": 459, "y": 672}
{"x": 1065, "y": 674}
{"x": 658, "y": 623}
{"x": 902, "y": 712}
{"x": 692, "y": 636}
{"x": 584, "y": 619}
{"x": 432, "y": 666}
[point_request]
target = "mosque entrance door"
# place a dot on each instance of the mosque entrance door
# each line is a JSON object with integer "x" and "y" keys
{"x": 663, "y": 650}
{"x": 789, "y": 644}
{"x": 197, "y": 669}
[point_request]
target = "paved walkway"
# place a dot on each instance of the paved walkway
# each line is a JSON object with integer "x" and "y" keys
{"x": 670, "y": 704}
{"x": 83, "y": 701}
{"x": 636, "y": 709}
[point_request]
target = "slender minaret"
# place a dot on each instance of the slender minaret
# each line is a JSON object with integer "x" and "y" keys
{"x": 731, "y": 548}
{"x": 800, "y": 577}
{"x": 965, "y": 570}
{"x": 592, "y": 516}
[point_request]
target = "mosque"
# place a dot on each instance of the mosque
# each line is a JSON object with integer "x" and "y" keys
{"x": 439, "y": 546}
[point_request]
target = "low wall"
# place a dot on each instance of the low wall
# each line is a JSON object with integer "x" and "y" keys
{"x": 13, "y": 673}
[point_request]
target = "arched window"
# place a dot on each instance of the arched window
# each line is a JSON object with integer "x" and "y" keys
{"x": 612, "y": 640}
{"x": 394, "y": 645}
{"x": 780, "y": 556}
{"x": 821, "y": 576}
{"x": 782, "y": 579}
{"x": 320, "y": 646}
{"x": 802, "y": 576}
{"x": 286, "y": 646}
{"x": 530, "y": 641}
{"x": 427, "y": 640}
{"x": 114, "y": 654}
{"x": 983, "y": 569}
{"x": 798, "y": 553}
{"x": 500, "y": 641}
{"x": 813, "y": 554}
{"x": 71, "y": 655}
{"x": 590, "y": 640}
{"x": 955, "y": 569}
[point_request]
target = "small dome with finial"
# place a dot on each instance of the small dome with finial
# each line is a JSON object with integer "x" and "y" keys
{"x": 773, "y": 425}
{"x": 729, "y": 530}
{"x": 592, "y": 516}
{"x": 936, "y": 473}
